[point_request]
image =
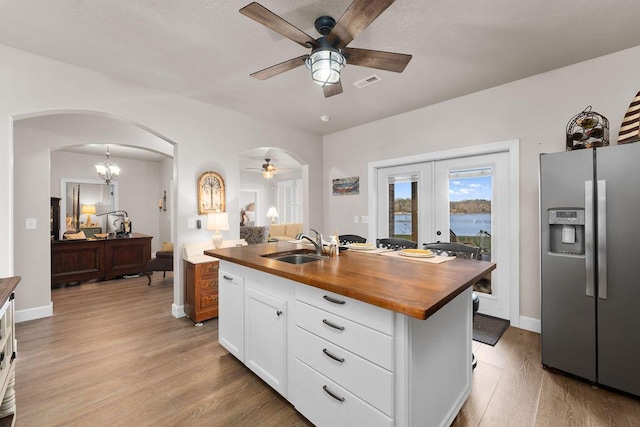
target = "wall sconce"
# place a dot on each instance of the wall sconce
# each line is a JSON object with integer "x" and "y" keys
{"x": 162, "y": 203}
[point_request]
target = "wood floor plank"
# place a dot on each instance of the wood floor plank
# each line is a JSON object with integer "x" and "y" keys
{"x": 515, "y": 399}
{"x": 113, "y": 355}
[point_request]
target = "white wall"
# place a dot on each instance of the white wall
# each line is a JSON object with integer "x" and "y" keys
{"x": 205, "y": 138}
{"x": 535, "y": 110}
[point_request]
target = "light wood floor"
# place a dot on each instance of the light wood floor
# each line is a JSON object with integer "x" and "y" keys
{"x": 113, "y": 355}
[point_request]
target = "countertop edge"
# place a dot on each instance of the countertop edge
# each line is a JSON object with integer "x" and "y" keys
{"x": 416, "y": 310}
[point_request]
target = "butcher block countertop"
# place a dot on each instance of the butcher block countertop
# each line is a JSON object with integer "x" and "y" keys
{"x": 404, "y": 285}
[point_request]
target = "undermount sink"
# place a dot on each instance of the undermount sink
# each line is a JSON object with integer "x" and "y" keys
{"x": 295, "y": 257}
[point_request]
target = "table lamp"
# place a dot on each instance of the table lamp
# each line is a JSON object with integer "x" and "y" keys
{"x": 273, "y": 214}
{"x": 88, "y": 210}
{"x": 217, "y": 221}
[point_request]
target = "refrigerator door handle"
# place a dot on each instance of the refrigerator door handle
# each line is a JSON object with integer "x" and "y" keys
{"x": 588, "y": 237}
{"x": 602, "y": 239}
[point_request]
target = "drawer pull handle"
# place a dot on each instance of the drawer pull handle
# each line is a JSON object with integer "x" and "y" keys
{"x": 326, "y": 322}
{"x": 336, "y": 358}
{"x": 330, "y": 393}
{"x": 333, "y": 300}
{"x": 227, "y": 277}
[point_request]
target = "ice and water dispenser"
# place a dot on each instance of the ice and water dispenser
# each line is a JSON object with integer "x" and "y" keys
{"x": 566, "y": 231}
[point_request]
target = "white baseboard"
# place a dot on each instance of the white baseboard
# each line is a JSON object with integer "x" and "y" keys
{"x": 177, "y": 311}
{"x": 530, "y": 324}
{"x": 34, "y": 313}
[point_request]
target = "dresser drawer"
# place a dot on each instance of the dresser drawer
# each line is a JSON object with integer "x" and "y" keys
{"x": 374, "y": 317}
{"x": 361, "y": 377}
{"x": 365, "y": 342}
{"x": 208, "y": 284}
{"x": 314, "y": 401}
{"x": 209, "y": 268}
{"x": 208, "y": 302}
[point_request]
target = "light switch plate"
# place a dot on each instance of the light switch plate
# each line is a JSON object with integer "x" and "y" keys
{"x": 355, "y": 219}
{"x": 30, "y": 224}
{"x": 365, "y": 219}
{"x": 191, "y": 223}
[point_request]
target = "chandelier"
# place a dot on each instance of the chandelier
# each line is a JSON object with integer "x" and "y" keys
{"x": 107, "y": 170}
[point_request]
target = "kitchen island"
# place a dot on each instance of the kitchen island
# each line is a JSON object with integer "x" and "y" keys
{"x": 358, "y": 339}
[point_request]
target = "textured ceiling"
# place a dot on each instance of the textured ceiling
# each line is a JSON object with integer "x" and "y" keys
{"x": 206, "y": 49}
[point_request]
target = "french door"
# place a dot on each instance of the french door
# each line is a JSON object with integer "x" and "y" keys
{"x": 459, "y": 200}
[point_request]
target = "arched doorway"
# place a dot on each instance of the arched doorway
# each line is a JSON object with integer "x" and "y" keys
{"x": 35, "y": 136}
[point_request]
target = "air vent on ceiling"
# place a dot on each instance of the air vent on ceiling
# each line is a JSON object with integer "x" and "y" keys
{"x": 367, "y": 81}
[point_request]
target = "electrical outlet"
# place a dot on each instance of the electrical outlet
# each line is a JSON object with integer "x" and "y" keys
{"x": 191, "y": 223}
{"x": 355, "y": 219}
{"x": 365, "y": 219}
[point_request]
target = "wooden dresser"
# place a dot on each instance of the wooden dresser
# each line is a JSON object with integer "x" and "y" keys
{"x": 102, "y": 259}
{"x": 201, "y": 288}
{"x": 7, "y": 351}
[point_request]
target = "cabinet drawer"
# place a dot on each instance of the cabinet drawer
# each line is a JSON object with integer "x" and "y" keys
{"x": 208, "y": 302}
{"x": 372, "y": 345}
{"x": 345, "y": 409}
{"x": 374, "y": 317}
{"x": 209, "y": 268}
{"x": 361, "y": 377}
{"x": 209, "y": 283}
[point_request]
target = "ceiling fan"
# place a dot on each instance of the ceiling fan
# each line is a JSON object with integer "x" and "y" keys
{"x": 268, "y": 169}
{"x": 329, "y": 53}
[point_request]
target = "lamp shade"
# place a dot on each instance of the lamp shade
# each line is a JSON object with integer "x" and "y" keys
{"x": 218, "y": 221}
{"x": 272, "y": 212}
{"x": 88, "y": 210}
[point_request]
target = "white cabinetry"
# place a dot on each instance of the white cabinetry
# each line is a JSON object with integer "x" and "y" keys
{"x": 265, "y": 337}
{"x": 344, "y": 350}
{"x": 7, "y": 351}
{"x": 254, "y": 323}
{"x": 343, "y": 362}
{"x": 231, "y": 312}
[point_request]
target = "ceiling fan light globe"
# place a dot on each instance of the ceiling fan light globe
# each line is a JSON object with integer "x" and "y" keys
{"x": 325, "y": 66}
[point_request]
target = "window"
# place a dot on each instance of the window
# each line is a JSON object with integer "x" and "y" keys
{"x": 403, "y": 207}
{"x": 290, "y": 201}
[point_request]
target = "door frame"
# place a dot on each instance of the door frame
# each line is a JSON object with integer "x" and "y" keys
{"x": 512, "y": 147}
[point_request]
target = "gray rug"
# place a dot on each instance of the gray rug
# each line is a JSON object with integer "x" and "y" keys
{"x": 488, "y": 329}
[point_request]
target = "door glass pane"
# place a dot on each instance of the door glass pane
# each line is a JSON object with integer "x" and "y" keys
{"x": 470, "y": 199}
{"x": 403, "y": 207}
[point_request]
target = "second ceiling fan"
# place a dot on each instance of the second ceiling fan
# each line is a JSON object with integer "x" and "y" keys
{"x": 329, "y": 53}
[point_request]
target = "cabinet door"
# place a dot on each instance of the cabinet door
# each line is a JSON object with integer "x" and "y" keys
{"x": 265, "y": 337}
{"x": 231, "y": 313}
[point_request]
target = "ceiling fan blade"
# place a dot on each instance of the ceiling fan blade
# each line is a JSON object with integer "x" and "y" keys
{"x": 355, "y": 19}
{"x": 264, "y": 16}
{"x": 280, "y": 68}
{"x": 330, "y": 90}
{"x": 378, "y": 59}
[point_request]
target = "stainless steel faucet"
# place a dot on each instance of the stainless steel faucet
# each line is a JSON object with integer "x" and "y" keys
{"x": 317, "y": 243}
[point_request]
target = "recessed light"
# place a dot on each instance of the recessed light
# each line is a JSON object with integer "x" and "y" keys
{"x": 325, "y": 118}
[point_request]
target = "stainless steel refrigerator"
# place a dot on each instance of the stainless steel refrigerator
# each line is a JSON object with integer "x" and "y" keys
{"x": 590, "y": 264}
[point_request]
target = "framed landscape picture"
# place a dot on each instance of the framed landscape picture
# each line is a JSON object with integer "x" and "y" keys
{"x": 346, "y": 186}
